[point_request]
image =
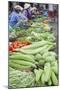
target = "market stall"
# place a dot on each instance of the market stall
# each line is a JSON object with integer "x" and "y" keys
{"x": 33, "y": 54}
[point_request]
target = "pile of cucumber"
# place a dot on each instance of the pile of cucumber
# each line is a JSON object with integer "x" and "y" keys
{"x": 47, "y": 75}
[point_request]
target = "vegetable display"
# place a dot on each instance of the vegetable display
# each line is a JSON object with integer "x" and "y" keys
{"x": 33, "y": 61}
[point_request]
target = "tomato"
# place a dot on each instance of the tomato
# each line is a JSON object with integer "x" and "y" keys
{"x": 17, "y": 44}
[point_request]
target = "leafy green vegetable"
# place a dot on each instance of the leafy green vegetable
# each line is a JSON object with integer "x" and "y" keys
{"x": 18, "y": 79}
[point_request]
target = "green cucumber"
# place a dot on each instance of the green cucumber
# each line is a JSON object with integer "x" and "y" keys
{"x": 47, "y": 71}
{"x": 54, "y": 67}
{"x": 38, "y": 74}
{"x": 50, "y": 82}
{"x": 43, "y": 78}
{"x": 41, "y": 62}
{"x": 54, "y": 78}
{"x": 38, "y": 57}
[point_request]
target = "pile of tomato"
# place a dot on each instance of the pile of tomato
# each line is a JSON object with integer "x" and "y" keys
{"x": 17, "y": 44}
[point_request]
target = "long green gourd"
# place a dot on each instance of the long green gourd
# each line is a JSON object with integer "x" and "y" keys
{"x": 35, "y": 51}
{"x": 24, "y": 63}
{"x": 35, "y": 45}
{"x": 22, "y": 56}
{"x": 17, "y": 66}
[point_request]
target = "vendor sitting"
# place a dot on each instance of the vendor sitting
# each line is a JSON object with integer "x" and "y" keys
{"x": 27, "y": 10}
{"x": 16, "y": 16}
{"x": 34, "y": 12}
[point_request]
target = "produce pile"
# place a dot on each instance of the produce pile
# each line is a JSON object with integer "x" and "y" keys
{"x": 17, "y": 44}
{"x": 36, "y": 63}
